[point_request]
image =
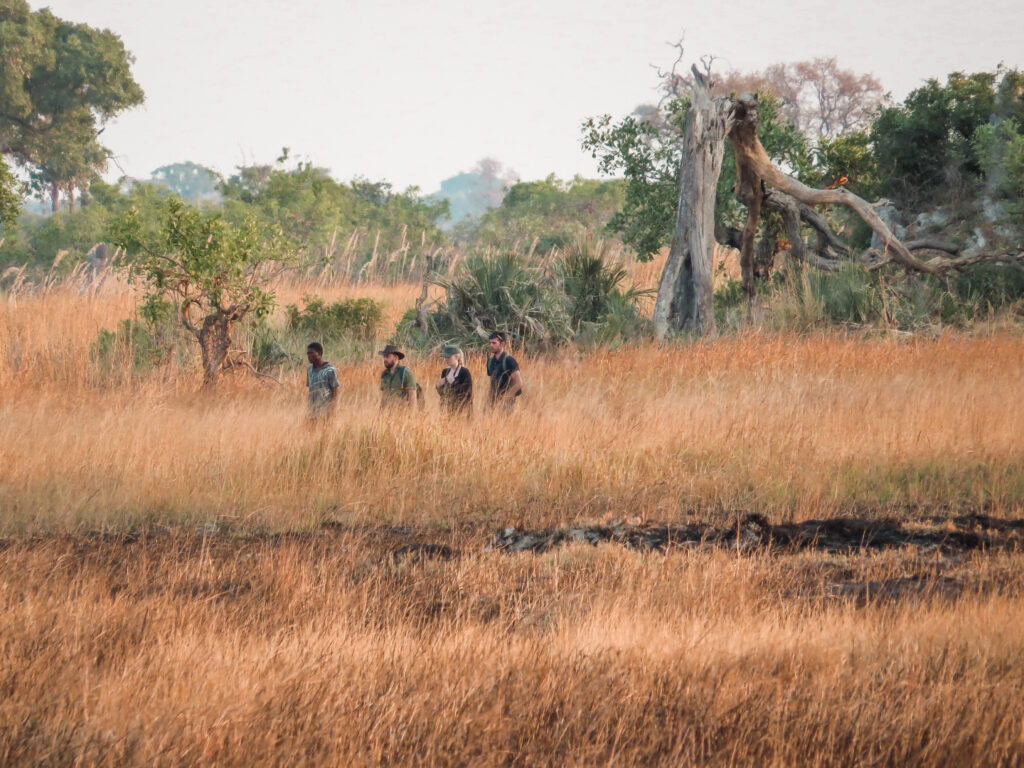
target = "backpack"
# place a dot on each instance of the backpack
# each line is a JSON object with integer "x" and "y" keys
{"x": 419, "y": 390}
{"x": 505, "y": 371}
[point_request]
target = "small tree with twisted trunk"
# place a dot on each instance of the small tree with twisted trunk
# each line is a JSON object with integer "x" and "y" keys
{"x": 209, "y": 273}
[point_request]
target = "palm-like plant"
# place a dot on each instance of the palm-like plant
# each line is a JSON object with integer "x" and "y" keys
{"x": 550, "y": 302}
{"x": 594, "y": 288}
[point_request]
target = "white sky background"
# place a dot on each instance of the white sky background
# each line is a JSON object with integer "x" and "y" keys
{"x": 414, "y": 92}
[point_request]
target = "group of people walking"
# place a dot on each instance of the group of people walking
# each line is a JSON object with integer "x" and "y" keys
{"x": 399, "y": 388}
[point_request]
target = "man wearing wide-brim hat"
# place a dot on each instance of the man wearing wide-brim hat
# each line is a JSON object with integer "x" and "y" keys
{"x": 397, "y": 383}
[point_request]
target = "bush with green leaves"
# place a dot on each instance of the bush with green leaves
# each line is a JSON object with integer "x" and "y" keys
{"x": 351, "y": 228}
{"x": 351, "y": 318}
{"x": 10, "y": 199}
{"x": 500, "y": 292}
{"x": 577, "y": 296}
{"x": 545, "y": 214}
{"x": 805, "y": 298}
{"x": 136, "y": 346}
{"x": 37, "y": 239}
{"x": 601, "y": 304}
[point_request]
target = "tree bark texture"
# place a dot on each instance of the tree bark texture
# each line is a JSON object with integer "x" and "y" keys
{"x": 685, "y": 294}
{"x": 213, "y": 335}
{"x": 214, "y": 341}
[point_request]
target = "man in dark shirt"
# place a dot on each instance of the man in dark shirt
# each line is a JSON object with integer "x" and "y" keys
{"x": 502, "y": 368}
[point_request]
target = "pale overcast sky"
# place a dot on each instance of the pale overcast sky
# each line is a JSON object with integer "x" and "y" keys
{"x": 413, "y": 92}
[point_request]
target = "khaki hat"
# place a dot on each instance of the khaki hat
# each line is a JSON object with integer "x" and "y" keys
{"x": 450, "y": 349}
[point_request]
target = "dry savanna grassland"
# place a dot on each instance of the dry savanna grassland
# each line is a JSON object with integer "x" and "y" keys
{"x": 194, "y": 578}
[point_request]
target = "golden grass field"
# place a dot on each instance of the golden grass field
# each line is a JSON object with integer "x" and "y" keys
{"x": 205, "y": 579}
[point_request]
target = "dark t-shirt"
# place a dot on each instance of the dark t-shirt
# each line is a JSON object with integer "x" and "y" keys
{"x": 500, "y": 370}
{"x": 457, "y": 396}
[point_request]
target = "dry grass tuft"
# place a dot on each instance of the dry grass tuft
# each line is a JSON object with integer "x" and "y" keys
{"x": 297, "y": 635}
{"x": 308, "y": 651}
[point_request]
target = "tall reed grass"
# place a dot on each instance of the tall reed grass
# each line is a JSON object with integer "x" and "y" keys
{"x": 787, "y": 425}
{"x": 211, "y": 579}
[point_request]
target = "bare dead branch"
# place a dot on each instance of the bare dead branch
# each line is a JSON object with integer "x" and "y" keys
{"x": 931, "y": 244}
{"x": 750, "y": 153}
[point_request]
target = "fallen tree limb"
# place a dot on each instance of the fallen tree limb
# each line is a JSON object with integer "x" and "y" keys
{"x": 751, "y": 158}
{"x": 931, "y": 244}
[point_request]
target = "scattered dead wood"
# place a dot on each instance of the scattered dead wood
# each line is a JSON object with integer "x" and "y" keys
{"x": 753, "y": 532}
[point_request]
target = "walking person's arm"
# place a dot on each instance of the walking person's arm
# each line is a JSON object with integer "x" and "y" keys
{"x": 333, "y": 384}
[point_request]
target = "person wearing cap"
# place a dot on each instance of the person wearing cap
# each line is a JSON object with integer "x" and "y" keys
{"x": 503, "y": 370}
{"x": 397, "y": 382}
{"x": 455, "y": 388}
{"x": 322, "y": 380}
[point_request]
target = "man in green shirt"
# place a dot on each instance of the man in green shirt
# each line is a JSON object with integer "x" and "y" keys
{"x": 322, "y": 381}
{"x": 397, "y": 383}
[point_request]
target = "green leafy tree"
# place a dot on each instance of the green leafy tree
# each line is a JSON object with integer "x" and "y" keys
{"x": 319, "y": 214}
{"x": 926, "y": 148}
{"x": 10, "y": 198}
{"x": 646, "y": 149}
{"x": 189, "y": 181}
{"x": 551, "y": 212}
{"x": 207, "y": 272}
{"x": 61, "y": 81}
{"x": 598, "y": 292}
{"x": 77, "y": 234}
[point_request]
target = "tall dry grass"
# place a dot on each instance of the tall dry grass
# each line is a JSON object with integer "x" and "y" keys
{"x": 324, "y": 651}
{"x": 790, "y": 426}
{"x": 293, "y": 632}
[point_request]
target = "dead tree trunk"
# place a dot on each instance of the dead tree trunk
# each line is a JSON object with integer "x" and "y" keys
{"x": 750, "y": 191}
{"x": 421, "y": 300}
{"x": 685, "y": 294}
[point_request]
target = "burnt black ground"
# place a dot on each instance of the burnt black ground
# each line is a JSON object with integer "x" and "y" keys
{"x": 753, "y": 532}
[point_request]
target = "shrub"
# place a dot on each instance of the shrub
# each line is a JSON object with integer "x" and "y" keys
{"x": 728, "y": 298}
{"x": 596, "y": 290}
{"x": 136, "y": 346}
{"x": 351, "y": 318}
{"x": 502, "y": 293}
{"x": 860, "y": 297}
{"x": 577, "y": 296}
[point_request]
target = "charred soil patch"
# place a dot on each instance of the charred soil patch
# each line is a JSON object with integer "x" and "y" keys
{"x": 753, "y": 532}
